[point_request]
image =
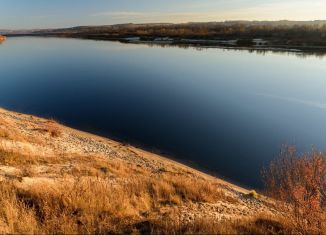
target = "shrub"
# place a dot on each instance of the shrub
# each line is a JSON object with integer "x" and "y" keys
{"x": 300, "y": 182}
{"x": 53, "y": 128}
{"x": 253, "y": 194}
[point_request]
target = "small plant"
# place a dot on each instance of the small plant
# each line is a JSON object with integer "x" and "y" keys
{"x": 253, "y": 194}
{"x": 53, "y": 128}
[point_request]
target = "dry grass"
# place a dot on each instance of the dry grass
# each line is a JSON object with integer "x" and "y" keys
{"x": 100, "y": 195}
{"x": 264, "y": 224}
{"x": 86, "y": 206}
{"x": 261, "y": 224}
{"x": 98, "y": 206}
{"x": 51, "y": 127}
{"x": 167, "y": 187}
{"x": 15, "y": 216}
{"x": 7, "y": 131}
{"x": 61, "y": 193}
{"x": 10, "y": 130}
{"x": 82, "y": 206}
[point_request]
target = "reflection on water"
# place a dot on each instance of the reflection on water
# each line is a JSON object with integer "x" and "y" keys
{"x": 258, "y": 50}
{"x": 290, "y": 99}
{"x": 222, "y": 110}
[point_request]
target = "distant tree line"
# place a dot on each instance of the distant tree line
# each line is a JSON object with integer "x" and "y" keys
{"x": 282, "y": 32}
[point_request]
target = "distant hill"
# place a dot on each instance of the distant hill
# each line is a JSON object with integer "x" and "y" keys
{"x": 80, "y": 29}
{"x": 302, "y": 35}
{"x": 18, "y": 31}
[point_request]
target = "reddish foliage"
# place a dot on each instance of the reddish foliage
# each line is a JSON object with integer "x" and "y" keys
{"x": 300, "y": 182}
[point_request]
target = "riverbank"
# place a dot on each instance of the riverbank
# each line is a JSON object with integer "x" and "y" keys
{"x": 2, "y": 38}
{"x": 258, "y": 45}
{"x": 74, "y": 181}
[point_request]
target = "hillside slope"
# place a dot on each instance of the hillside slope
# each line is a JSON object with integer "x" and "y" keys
{"x": 54, "y": 179}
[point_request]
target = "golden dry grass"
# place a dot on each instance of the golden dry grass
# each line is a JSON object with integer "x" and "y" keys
{"x": 108, "y": 196}
{"x": 95, "y": 195}
{"x": 98, "y": 206}
{"x": 8, "y": 132}
{"x": 65, "y": 193}
{"x": 51, "y": 127}
{"x": 260, "y": 224}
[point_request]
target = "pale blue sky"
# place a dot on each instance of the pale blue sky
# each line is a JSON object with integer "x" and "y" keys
{"x": 16, "y": 14}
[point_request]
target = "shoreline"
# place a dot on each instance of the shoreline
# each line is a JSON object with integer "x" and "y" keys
{"x": 183, "y": 42}
{"x": 141, "y": 151}
{"x": 88, "y": 176}
{"x": 167, "y": 157}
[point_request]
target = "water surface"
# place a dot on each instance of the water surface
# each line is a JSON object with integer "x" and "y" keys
{"x": 225, "y": 111}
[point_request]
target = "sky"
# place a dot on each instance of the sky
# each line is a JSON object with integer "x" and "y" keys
{"x": 32, "y": 14}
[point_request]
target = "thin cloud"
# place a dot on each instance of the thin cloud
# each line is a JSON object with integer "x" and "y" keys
{"x": 295, "y": 10}
{"x": 151, "y": 16}
{"x": 118, "y": 14}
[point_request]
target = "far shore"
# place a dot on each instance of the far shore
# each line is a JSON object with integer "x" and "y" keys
{"x": 257, "y": 45}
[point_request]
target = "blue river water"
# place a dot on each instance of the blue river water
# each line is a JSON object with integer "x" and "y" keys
{"x": 224, "y": 111}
